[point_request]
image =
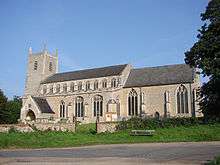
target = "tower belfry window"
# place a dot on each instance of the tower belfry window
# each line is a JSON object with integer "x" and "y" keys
{"x": 35, "y": 65}
{"x": 50, "y": 66}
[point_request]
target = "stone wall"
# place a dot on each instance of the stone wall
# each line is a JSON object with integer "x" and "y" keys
{"x": 38, "y": 126}
{"x": 55, "y": 127}
{"x": 17, "y": 127}
{"x": 153, "y": 100}
{"x": 107, "y": 127}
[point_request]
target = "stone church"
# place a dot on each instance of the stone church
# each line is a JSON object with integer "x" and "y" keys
{"x": 110, "y": 93}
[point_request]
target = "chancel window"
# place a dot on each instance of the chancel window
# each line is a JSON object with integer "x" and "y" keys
{"x": 65, "y": 88}
{"x": 133, "y": 103}
{"x": 35, "y": 65}
{"x": 104, "y": 83}
{"x": 87, "y": 85}
{"x": 96, "y": 85}
{"x": 113, "y": 83}
{"x": 79, "y": 107}
{"x": 182, "y": 100}
{"x": 98, "y": 106}
{"x": 63, "y": 110}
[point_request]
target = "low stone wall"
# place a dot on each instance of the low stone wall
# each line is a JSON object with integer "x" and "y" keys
{"x": 17, "y": 127}
{"x": 38, "y": 126}
{"x": 106, "y": 127}
{"x": 55, "y": 127}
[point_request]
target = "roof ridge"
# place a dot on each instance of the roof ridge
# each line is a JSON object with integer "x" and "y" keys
{"x": 91, "y": 69}
{"x": 159, "y": 66}
{"x": 86, "y": 73}
{"x": 160, "y": 75}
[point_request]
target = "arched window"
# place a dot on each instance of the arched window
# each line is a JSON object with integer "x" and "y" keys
{"x": 35, "y": 65}
{"x": 98, "y": 105}
{"x": 80, "y": 86}
{"x": 44, "y": 89}
{"x": 133, "y": 103}
{"x": 51, "y": 88}
{"x": 113, "y": 83}
{"x": 96, "y": 85}
{"x": 87, "y": 85}
{"x": 65, "y": 88}
{"x": 57, "y": 88}
{"x": 79, "y": 107}
{"x": 104, "y": 83}
{"x": 50, "y": 66}
{"x": 63, "y": 112}
{"x": 72, "y": 87}
{"x": 182, "y": 100}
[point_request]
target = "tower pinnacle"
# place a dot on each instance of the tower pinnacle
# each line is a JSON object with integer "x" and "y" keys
{"x": 30, "y": 50}
{"x": 45, "y": 48}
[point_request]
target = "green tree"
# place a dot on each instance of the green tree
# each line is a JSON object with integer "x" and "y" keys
{"x": 205, "y": 55}
{"x": 3, "y": 102}
{"x": 9, "y": 110}
{"x": 13, "y": 108}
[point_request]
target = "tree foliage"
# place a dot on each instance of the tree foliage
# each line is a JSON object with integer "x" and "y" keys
{"x": 9, "y": 110}
{"x": 3, "y": 102}
{"x": 205, "y": 55}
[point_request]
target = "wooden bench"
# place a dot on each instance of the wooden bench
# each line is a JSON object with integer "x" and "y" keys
{"x": 142, "y": 132}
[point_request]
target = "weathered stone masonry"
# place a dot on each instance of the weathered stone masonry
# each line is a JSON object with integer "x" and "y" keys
{"x": 107, "y": 94}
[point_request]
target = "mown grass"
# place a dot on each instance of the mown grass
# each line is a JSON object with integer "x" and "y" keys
{"x": 85, "y": 136}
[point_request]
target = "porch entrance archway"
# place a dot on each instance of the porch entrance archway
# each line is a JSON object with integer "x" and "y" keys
{"x": 30, "y": 116}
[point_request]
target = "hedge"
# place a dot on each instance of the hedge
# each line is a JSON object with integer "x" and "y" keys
{"x": 152, "y": 123}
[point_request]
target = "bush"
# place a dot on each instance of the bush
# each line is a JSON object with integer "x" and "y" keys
{"x": 216, "y": 161}
{"x": 153, "y": 123}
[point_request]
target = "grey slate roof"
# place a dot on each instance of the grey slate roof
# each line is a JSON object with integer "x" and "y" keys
{"x": 86, "y": 74}
{"x": 161, "y": 75}
{"x": 43, "y": 105}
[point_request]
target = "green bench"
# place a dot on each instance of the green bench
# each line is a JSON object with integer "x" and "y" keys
{"x": 142, "y": 132}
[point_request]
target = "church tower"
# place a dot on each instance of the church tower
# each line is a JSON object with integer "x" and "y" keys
{"x": 40, "y": 66}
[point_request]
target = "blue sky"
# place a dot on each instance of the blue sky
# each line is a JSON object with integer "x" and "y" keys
{"x": 95, "y": 33}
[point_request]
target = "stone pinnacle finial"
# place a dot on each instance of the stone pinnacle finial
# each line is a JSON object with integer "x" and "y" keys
{"x": 45, "y": 48}
{"x": 30, "y": 50}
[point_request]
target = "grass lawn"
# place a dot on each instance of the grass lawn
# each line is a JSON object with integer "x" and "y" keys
{"x": 85, "y": 136}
